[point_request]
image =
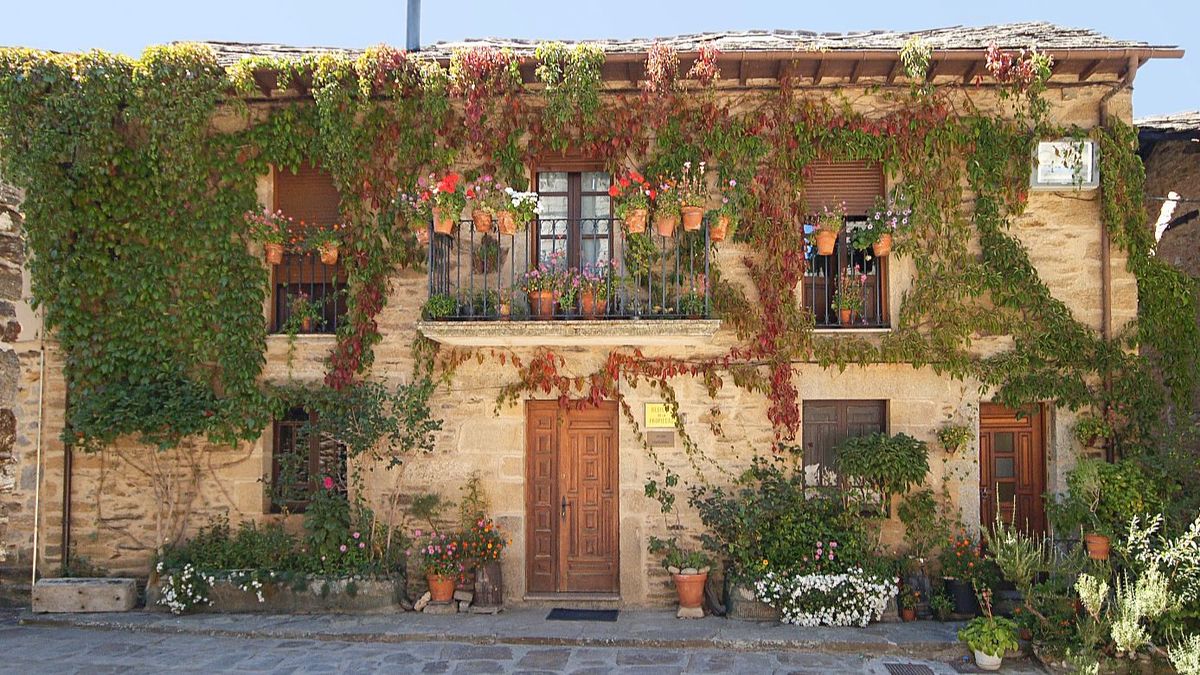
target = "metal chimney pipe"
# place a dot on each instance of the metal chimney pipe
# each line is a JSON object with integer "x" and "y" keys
{"x": 413, "y": 41}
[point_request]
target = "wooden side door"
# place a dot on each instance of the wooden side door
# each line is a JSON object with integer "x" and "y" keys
{"x": 1012, "y": 467}
{"x": 572, "y": 499}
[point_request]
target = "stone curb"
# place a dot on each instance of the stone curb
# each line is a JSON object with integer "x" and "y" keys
{"x": 939, "y": 650}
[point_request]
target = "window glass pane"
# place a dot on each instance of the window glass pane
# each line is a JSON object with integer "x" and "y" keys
{"x": 1006, "y": 492}
{"x": 547, "y": 246}
{"x": 595, "y": 181}
{"x": 553, "y": 208}
{"x": 594, "y": 251}
{"x": 553, "y": 181}
{"x": 1004, "y": 467}
{"x": 1002, "y": 441}
{"x": 594, "y": 206}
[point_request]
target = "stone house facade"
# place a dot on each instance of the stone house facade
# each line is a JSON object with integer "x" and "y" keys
{"x": 114, "y": 506}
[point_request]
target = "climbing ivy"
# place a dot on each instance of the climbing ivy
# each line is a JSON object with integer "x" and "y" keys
{"x": 141, "y": 256}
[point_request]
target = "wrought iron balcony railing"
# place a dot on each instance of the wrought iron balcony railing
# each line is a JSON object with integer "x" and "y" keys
{"x": 477, "y": 276}
{"x": 823, "y": 273}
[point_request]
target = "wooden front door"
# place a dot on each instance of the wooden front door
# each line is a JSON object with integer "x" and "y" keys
{"x": 1012, "y": 467}
{"x": 571, "y": 499}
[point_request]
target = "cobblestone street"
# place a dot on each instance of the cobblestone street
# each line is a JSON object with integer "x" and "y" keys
{"x": 62, "y": 649}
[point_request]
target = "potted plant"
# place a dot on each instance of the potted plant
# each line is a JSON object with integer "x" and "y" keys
{"x": 1101, "y": 499}
{"x": 631, "y": 194}
{"x": 595, "y": 287}
{"x": 413, "y": 213}
{"x": 325, "y": 242}
{"x": 693, "y": 194}
{"x": 960, "y": 568}
{"x": 519, "y": 209}
{"x": 692, "y": 305}
{"x": 885, "y": 218}
{"x": 447, "y": 198}
{"x": 990, "y": 637}
{"x": 829, "y": 224}
{"x": 666, "y": 208}
{"x": 849, "y": 297}
{"x": 441, "y": 562}
{"x": 439, "y": 306}
{"x": 303, "y": 314}
{"x": 954, "y": 437}
{"x": 909, "y": 597}
{"x": 482, "y": 543}
{"x": 485, "y": 199}
{"x": 688, "y": 568}
{"x": 272, "y": 229}
{"x": 543, "y": 286}
{"x": 941, "y": 606}
{"x": 724, "y": 219}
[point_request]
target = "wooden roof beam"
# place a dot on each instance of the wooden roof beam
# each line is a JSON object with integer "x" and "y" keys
{"x": 1089, "y": 69}
{"x": 741, "y": 70}
{"x": 932, "y": 70}
{"x": 854, "y": 67}
{"x": 893, "y": 71}
{"x": 971, "y": 72}
{"x": 819, "y": 73}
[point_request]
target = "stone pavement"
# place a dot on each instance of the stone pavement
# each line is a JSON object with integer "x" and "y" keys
{"x": 515, "y": 642}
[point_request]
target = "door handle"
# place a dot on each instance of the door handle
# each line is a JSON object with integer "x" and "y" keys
{"x": 564, "y": 507}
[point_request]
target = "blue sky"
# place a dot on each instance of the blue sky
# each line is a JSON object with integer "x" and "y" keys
{"x": 128, "y": 26}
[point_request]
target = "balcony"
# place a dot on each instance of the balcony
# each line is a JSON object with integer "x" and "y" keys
{"x": 823, "y": 273}
{"x": 655, "y": 289}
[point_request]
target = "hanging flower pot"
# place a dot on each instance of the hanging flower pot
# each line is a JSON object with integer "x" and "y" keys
{"x": 274, "y": 253}
{"x": 664, "y": 223}
{"x": 882, "y": 247}
{"x": 441, "y": 587}
{"x": 826, "y": 240}
{"x": 591, "y": 306}
{"x": 635, "y": 220}
{"x": 693, "y": 216}
{"x": 443, "y": 223}
{"x": 482, "y": 220}
{"x": 329, "y": 253}
{"x": 718, "y": 230}
{"x": 1098, "y": 546}
{"x": 506, "y": 223}
{"x": 541, "y": 304}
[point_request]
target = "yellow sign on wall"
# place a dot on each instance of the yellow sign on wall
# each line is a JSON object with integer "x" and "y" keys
{"x": 659, "y": 416}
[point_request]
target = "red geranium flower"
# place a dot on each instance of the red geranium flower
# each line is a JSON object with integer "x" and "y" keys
{"x": 613, "y": 191}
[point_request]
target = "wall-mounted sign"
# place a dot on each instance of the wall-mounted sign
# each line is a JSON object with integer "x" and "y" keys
{"x": 1065, "y": 164}
{"x": 659, "y": 416}
{"x": 660, "y": 438}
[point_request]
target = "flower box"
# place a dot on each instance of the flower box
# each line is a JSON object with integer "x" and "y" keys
{"x": 317, "y": 595}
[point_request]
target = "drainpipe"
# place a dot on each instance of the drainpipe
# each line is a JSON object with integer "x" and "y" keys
{"x": 68, "y": 457}
{"x": 37, "y": 482}
{"x": 412, "y": 42}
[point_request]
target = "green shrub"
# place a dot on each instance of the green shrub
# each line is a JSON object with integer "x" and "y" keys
{"x": 882, "y": 465}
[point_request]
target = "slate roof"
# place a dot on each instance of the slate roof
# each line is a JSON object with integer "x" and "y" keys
{"x": 1044, "y": 36}
{"x": 1183, "y": 122}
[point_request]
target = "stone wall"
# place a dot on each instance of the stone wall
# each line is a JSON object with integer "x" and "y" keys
{"x": 127, "y": 499}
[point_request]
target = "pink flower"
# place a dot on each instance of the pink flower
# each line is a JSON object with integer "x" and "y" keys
{"x": 416, "y": 533}
{"x": 831, "y": 556}
{"x": 342, "y": 548}
{"x": 362, "y": 544}
{"x": 833, "y": 544}
{"x": 355, "y": 535}
{"x": 328, "y": 483}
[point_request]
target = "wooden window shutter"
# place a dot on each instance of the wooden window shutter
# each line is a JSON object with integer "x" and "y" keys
{"x": 308, "y": 195}
{"x": 856, "y": 183}
{"x": 827, "y": 423}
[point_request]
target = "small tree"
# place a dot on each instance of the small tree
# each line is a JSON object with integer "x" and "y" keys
{"x": 880, "y": 466}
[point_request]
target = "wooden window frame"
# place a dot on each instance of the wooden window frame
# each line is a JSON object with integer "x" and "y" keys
{"x": 574, "y": 168}
{"x": 294, "y": 419}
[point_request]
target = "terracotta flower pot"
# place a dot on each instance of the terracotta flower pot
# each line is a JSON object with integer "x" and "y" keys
{"x": 506, "y": 223}
{"x": 718, "y": 230}
{"x": 423, "y": 236}
{"x": 665, "y": 224}
{"x": 690, "y": 588}
{"x": 590, "y": 306}
{"x": 635, "y": 220}
{"x": 826, "y": 240}
{"x": 442, "y": 223}
{"x": 274, "y": 253}
{"x": 329, "y": 253}
{"x": 693, "y": 216}
{"x": 541, "y": 304}
{"x": 482, "y": 220}
{"x": 908, "y": 613}
{"x": 882, "y": 247}
{"x": 1098, "y": 546}
{"x": 846, "y": 316}
{"x": 441, "y": 587}
{"x": 306, "y": 324}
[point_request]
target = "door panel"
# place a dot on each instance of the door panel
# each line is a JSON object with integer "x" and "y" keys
{"x": 1012, "y": 467}
{"x": 572, "y": 505}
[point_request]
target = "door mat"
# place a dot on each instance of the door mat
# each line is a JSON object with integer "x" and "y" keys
{"x": 907, "y": 669}
{"x": 561, "y": 614}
